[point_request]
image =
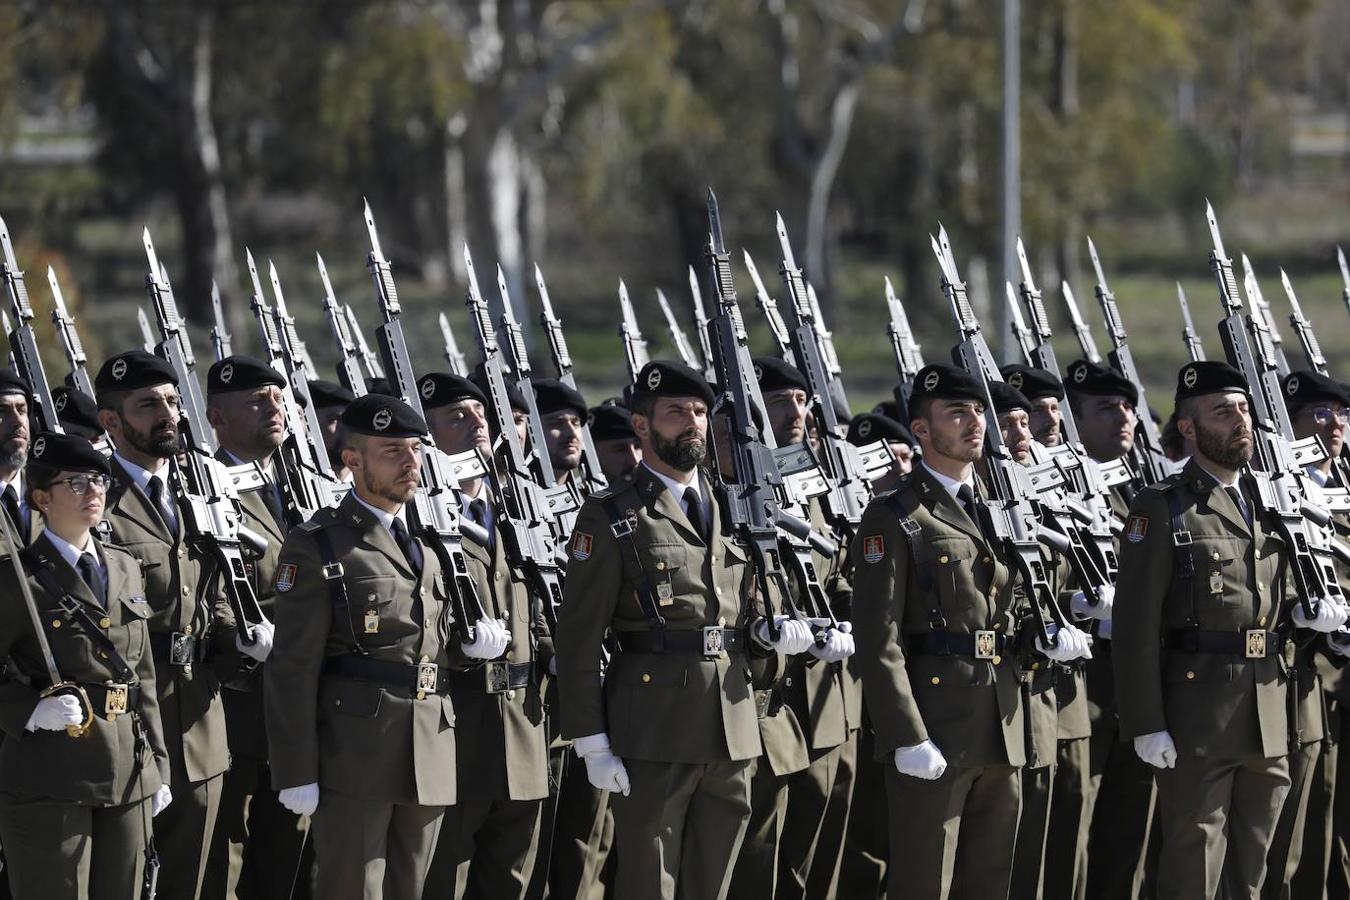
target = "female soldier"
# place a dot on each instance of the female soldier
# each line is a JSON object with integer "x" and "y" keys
{"x": 75, "y": 810}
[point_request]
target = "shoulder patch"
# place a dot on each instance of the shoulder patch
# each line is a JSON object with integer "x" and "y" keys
{"x": 285, "y": 577}
{"x": 873, "y": 548}
{"x": 1136, "y": 528}
{"x": 582, "y": 543}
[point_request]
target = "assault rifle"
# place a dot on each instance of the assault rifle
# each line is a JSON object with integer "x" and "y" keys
{"x": 1080, "y": 327}
{"x": 1312, "y": 348}
{"x": 370, "y": 363}
{"x": 634, "y": 347}
{"x": 204, "y": 488}
{"x": 1277, "y": 480}
{"x": 435, "y": 512}
{"x": 592, "y": 476}
{"x": 8, "y": 329}
{"x": 453, "y": 357}
{"x": 147, "y": 335}
{"x": 777, "y": 327}
{"x": 677, "y": 335}
{"x": 908, "y": 353}
{"x": 220, "y": 334}
{"x": 527, "y": 520}
{"x": 1021, "y": 334}
{"x": 349, "y": 355}
{"x": 1262, "y": 308}
{"x": 23, "y": 343}
{"x": 1195, "y": 347}
{"x": 70, "y": 337}
{"x": 825, "y": 338}
{"x": 701, "y": 326}
{"x": 1010, "y": 516}
{"x": 1345, "y": 277}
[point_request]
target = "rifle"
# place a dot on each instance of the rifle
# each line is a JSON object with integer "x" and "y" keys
{"x": 1010, "y": 515}
{"x": 908, "y": 353}
{"x": 1312, "y": 348}
{"x": 147, "y": 336}
{"x": 370, "y": 363}
{"x": 755, "y": 500}
{"x": 453, "y": 358}
{"x": 592, "y": 476}
{"x": 701, "y": 326}
{"x": 1146, "y": 452}
{"x": 527, "y": 521}
{"x": 634, "y": 347}
{"x": 8, "y": 329}
{"x": 825, "y": 338}
{"x": 777, "y": 327}
{"x": 1195, "y": 347}
{"x": 203, "y": 486}
{"x": 70, "y": 337}
{"x": 677, "y": 335}
{"x": 349, "y": 355}
{"x": 1080, "y": 327}
{"x": 1277, "y": 479}
{"x": 1261, "y": 307}
{"x": 435, "y": 512}
{"x": 1345, "y": 277}
{"x": 23, "y": 343}
{"x": 220, "y": 335}
{"x": 1021, "y": 334}
{"x": 518, "y": 361}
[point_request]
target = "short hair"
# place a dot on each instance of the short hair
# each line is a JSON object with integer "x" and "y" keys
{"x": 38, "y": 476}
{"x": 922, "y": 407}
{"x": 1173, "y": 444}
{"x": 112, "y": 400}
{"x": 642, "y": 405}
{"x": 1187, "y": 408}
{"x": 346, "y": 438}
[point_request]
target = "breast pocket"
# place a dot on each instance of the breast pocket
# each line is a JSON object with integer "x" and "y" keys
{"x": 374, "y": 609}
{"x": 665, "y": 566}
{"x": 131, "y": 635}
{"x": 1219, "y": 576}
{"x": 954, "y": 576}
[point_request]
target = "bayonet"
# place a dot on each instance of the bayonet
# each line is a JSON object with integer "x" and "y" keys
{"x": 701, "y": 325}
{"x": 23, "y": 347}
{"x": 1261, "y": 307}
{"x": 634, "y": 347}
{"x": 147, "y": 335}
{"x": 453, "y": 357}
{"x": 1020, "y": 332}
{"x": 592, "y": 476}
{"x": 908, "y": 353}
{"x": 1312, "y": 348}
{"x": 777, "y": 327}
{"x": 1195, "y": 347}
{"x": 70, "y": 337}
{"x": 349, "y": 355}
{"x": 677, "y": 335}
{"x": 1086, "y": 343}
{"x": 220, "y": 334}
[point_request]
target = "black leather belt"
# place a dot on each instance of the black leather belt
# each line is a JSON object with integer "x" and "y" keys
{"x": 1251, "y": 643}
{"x": 711, "y": 642}
{"x": 177, "y": 648}
{"x": 113, "y": 700}
{"x": 497, "y": 677}
{"x": 977, "y": 644}
{"x": 420, "y": 678}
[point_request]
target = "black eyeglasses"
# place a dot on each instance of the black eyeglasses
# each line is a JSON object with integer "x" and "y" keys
{"x": 1322, "y": 415}
{"x": 80, "y": 484}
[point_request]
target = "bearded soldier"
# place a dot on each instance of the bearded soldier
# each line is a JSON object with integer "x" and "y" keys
{"x": 15, "y": 398}
{"x": 615, "y": 443}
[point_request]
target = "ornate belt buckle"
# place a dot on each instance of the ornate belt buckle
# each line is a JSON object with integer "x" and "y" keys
{"x": 497, "y": 677}
{"x": 426, "y": 679}
{"x": 714, "y": 642}
{"x": 114, "y": 700}
{"x": 984, "y": 644}
{"x": 1254, "y": 647}
{"x": 182, "y": 649}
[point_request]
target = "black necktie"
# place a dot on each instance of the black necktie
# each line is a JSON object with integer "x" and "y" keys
{"x": 89, "y": 571}
{"x": 1239, "y": 502}
{"x": 967, "y": 497}
{"x": 10, "y": 500}
{"x": 271, "y": 498}
{"x": 478, "y": 511}
{"x": 411, "y": 551}
{"x": 163, "y": 509}
{"x": 694, "y": 509}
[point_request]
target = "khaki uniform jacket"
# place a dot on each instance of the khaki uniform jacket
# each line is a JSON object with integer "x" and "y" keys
{"x": 184, "y": 597}
{"x": 365, "y": 739}
{"x": 971, "y": 709}
{"x": 1214, "y": 704}
{"x": 102, "y": 768}
{"x": 514, "y": 725}
{"x": 781, "y": 732}
{"x": 670, "y": 707}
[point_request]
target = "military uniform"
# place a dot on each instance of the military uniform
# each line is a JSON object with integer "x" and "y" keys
{"x": 1198, "y": 655}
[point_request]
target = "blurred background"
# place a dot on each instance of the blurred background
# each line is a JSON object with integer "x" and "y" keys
{"x": 583, "y": 136}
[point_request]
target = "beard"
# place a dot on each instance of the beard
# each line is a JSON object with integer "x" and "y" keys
{"x": 958, "y": 449}
{"x": 160, "y": 441}
{"x": 394, "y": 492}
{"x": 683, "y": 452}
{"x": 1221, "y": 448}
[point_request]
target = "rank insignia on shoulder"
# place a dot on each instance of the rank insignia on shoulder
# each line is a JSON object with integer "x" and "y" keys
{"x": 874, "y": 548}
{"x": 309, "y": 527}
{"x": 1136, "y": 528}
{"x": 581, "y": 545}
{"x": 285, "y": 577}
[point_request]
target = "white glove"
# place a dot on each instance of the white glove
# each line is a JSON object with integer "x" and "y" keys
{"x": 489, "y": 640}
{"x": 1070, "y": 643}
{"x": 302, "y": 800}
{"x": 1156, "y": 749}
{"x": 55, "y": 713}
{"x": 1330, "y": 616}
{"x": 794, "y": 635}
{"x": 604, "y": 770}
{"x": 162, "y": 798}
{"x": 922, "y": 761}
{"x": 261, "y": 648}
{"x": 1085, "y": 610}
{"x": 838, "y": 644}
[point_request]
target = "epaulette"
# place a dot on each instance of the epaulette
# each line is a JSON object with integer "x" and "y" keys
{"x": 116, "y": 548}
{"x": 1171, "y": 481}
{"x": 309, "y": 527}
{"x": 325, "y": 516}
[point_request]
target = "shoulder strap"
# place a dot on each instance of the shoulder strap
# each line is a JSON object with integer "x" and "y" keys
{"x": 1181, "y": 545}
{"x": 75, "y": 612}
{"x": 621, "y": 525}
{"x": 337, "y": 586}
{"x": 923, "y": 559}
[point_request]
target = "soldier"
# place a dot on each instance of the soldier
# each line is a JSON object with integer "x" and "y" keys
{"x": 190, "y": 622}
{"x": 562, "y": 412}
{"x": 1202, "y": 648}
{"x": 1121, "y": 849}
{"x": 15, "y": 398}
{"x": 936, "y": 615}
{"x": 615, "y": 443}
{"x": 75, "y": 810}
{"x": 330, "y": 399}
{"x": 1045, "y": 392}
{"x": 360, "y": 723}
{"x": 77, "y": 412}
{"x": 257, "y": 846}
{"x": 868, "y": 427}
{"x": 489, "y": 839}
{"x": 672, "y": 730}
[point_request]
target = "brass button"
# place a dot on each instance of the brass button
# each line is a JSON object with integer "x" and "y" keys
{"x": 996, "y": 660}
{"x": 1190, "y": 676}
{"x": 646, "y": 678}
{"x": 935, "y": 680}
{"x": 104, "y": 622}
{"x": 181, "y": 552}
{"x": 102, "y": 655}
{"x": 993, "y": 592}
{"x": 187, "y": 629}
{"x": 429, "y": 623}
{"x": 111, "y": 717}
{"x": 660, "y": 566}
{"x": 185, "y": 590}
{"x": 717, "y": 591}
{"x": 1216, "y": 555}
{"x": 511, "y": 694}
{"x": 56, "y": 623}
{"x": 421, "y": 695}
{"x": 943, "y": 558}
{"x": 426, "y": 659}
{"x": 986, "y": 559}
{"x": 1260, "y": 588}
{"x": 1261, "y": 621}
{"x": 722, "y": 621}
{"x": 499, "y": 576}
{"x": 1035, "y": 665}
{"x": 998, "y": 625}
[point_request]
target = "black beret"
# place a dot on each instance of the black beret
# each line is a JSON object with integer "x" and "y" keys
{"x": 773, "y": 374}
{"x": 132, "y": 370}
{"x": 1033, "y": 383}
{"x": 947, "y": 382}
{"x": 1007, "y": 398}
{"x": 888, "y": 408}
{"x": 68, "y": 452}
{"x": 240, "y": 373}
{"x": 1303, "y": 387}
{"x": 383, "y": 416}
{"x": 329, "y": 393}
{"x": 444, "y": 388}
{"x": 513, "y": 394}
{"x": 11, "y": 383}
{"x": 611, "y": 422}
{"x": 869, "y": 427}
{"x": 663, "y": 378}
{"x": 75, "y": 407}
{"x": 1095, "y": 380}
{"x": 551, "y": 396}
{"x": 382, "y": 386}
{"x": 1208, "y": 377}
